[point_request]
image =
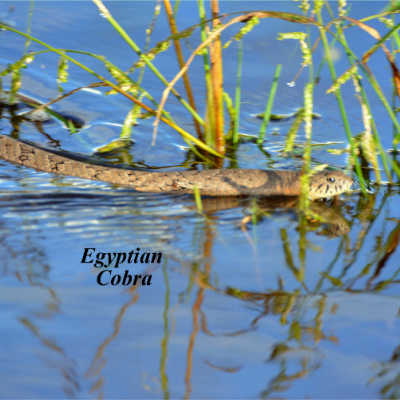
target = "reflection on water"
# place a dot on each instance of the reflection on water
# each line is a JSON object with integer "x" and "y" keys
{"x": 254, "y": 311}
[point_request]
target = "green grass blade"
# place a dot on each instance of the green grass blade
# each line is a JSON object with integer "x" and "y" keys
{"x": 136, "y": 48}
{"x": 62, "y": 53}
{"x": 238, "y": 91}
{"x": 341, "y": 105}
{"x": 197, "y": 198}
{"x": 268, "y": 108}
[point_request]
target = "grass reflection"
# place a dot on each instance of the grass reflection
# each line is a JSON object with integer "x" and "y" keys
{"x": 301, "y": 301}
{"x": 364, "y": 255}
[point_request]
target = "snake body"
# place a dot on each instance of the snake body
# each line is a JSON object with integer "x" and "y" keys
{"x": 231, "y": 182}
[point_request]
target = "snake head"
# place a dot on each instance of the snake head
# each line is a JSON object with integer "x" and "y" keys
{"x": 329, "y": 183}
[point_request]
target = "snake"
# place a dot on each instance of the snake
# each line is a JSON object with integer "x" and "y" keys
{"x": 213, "y": 182}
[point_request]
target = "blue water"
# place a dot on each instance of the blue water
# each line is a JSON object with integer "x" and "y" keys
{"x": 278, "y": 309}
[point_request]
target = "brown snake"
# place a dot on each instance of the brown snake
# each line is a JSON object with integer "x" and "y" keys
{"x": 229, "y": 182}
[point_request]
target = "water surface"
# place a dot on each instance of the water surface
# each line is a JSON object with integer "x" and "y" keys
{"x": 279, "y": 309}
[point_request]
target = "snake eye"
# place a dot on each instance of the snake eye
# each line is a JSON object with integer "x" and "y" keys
{"x": 330, "y": 179}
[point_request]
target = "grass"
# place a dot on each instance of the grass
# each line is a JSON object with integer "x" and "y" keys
{"x": 211, "y": 137}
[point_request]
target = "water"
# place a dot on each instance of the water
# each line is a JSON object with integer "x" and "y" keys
{"x": 234, "y": 310}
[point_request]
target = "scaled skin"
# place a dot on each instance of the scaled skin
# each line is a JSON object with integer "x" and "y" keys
{"x": 231, "y": 182}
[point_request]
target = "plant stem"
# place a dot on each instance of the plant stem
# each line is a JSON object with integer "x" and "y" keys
{"x": 268, "y": 107}
{"x": 134, "y": 46}
{"x": 238, "y": 91}
{"x": 341, "y": 104}
{"x": 166, "y": 121}
{"x": 207, "y": 74}
{"x": 178, "y": 49}
{"x": 217, "y": 79}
